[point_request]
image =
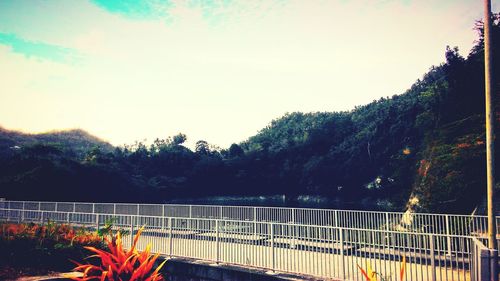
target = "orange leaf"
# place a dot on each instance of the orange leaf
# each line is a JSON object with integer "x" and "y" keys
{"x": 103, "y": 275}
{"x": 364, "y": 273}
{"x": 402, "y": 270}
{"x": 136, "y": 238}
{"x": 110, "y": 273}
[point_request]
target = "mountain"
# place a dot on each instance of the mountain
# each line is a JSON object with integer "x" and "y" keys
{"x": 76, "y": 140}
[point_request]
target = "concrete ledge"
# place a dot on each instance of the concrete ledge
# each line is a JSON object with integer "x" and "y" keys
{"x": 181, "y": 269}
{"x": 53, "y": 277}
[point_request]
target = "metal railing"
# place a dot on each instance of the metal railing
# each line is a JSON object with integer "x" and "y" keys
{"x": 325, "y": 251}
{"x": 481, "y": 260}
{"x": 447, "y": 224}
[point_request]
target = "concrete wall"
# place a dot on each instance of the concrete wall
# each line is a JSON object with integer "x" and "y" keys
{"x": 192, "y": 270}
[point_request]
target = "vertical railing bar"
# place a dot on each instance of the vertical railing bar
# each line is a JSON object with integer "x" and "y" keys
{"x": 387, "y": 221}
{"x": 131, "y": 232}
{"x": 272, "y": 247}
{"x": 22, "y": 213}
{"x": 96, "y": 221}
{"x": 170, "y": 236}
{"x": 217, "y": 242}
{"x": 448, "y": 238}
{"x": 342, "y": 262}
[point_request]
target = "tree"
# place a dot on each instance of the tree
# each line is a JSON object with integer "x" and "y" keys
{"x": 235, "y": 151}
{"x": 179, "y": 139}
{"x": 202, "y": 148}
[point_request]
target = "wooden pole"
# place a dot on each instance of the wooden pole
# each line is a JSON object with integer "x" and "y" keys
{"x": 490, "y": 137}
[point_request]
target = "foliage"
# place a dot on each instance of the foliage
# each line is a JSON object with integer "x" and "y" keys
{"x": 371, "y": 275}
{"x": 46, "y": 247}
{"x": 61, "y": 235}
{"x": 119, "y": 264}
{"x": 109, "y": 228}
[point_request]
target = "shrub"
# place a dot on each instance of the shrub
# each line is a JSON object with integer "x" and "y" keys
{"x": 119, "y": 264}
{"x": 44, "y": 247}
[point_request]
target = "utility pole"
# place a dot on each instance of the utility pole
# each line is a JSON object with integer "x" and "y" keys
{"x": 490, "y": 140}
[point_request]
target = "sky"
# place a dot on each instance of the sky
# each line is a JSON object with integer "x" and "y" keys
{"x": 215, "y": 70}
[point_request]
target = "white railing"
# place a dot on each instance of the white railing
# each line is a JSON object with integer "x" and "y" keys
{"x": 447, "y": 224}
{"x": 481, "y": 260}
{"x": 325, "y": 251}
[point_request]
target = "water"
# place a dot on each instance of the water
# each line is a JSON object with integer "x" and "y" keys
{"x": 300, "y": 201}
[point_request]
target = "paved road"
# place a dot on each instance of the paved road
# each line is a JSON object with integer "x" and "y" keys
{"x": 327, "y": 260}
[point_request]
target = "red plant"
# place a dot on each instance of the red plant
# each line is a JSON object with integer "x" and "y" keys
{"x": 58, "y": 233}
{"x": 120, "y": 265}
{"x": 371, "y": 275}
{"x": 402, "y": 269}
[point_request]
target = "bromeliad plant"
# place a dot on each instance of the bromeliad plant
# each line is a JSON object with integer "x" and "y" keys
{"x": 118, "y": 264}
{"x": 371, "y": 275}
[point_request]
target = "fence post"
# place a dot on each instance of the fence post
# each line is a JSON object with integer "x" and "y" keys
{"x": 433, "y": 258}
{"x": 67, "y": 218}
{"x": 336, "y": 218}
{"x": 131, "y": 232}
{"x": 484, "y": 265}
{"x": 387, "y": 221}
{"x": 341, "y": 238}
{"x": 170, "y": 250}
{"x": 293, "y": 215}
{"x": 272, "y": 246}
{"x": 162, "y": 218}
{"x": 22, "y": 212}
{"x": 493, "y": 266}
{"x": 448, "y": 238}
{"x": 217, "y": 243}
{"x": 97, "y": 224}
{"x": 41, "y": 218}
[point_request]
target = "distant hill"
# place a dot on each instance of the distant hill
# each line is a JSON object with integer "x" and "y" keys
{"x": 76, "y": 140}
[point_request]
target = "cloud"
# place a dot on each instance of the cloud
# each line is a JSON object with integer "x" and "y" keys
{"x": 213, "y": 12}
{"x": 39, "y": 49}
{"x": 147, "y": 9}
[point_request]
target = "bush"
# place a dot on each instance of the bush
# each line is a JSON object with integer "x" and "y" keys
{"x": 44, "y": 247}
{"x": 118, "y": 264}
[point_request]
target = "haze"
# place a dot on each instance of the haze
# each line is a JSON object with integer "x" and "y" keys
{"x": 214, "y": 70}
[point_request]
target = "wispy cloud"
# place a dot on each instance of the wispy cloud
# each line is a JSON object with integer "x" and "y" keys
{"x": 39, "y": 49}
{"x": 147, "y": 9}
{"x": 213, "y": 12}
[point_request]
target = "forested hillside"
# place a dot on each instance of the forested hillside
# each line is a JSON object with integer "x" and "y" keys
{"x": 76, "y": 141}
{"x": 422, "y": 149}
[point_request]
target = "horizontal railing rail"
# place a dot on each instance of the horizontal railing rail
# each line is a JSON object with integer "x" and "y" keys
{"x": 325, "y": 251}
{"x": 418, "y": 222}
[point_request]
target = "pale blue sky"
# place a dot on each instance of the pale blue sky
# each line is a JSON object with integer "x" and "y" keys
{"x": 214, "y": 70}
